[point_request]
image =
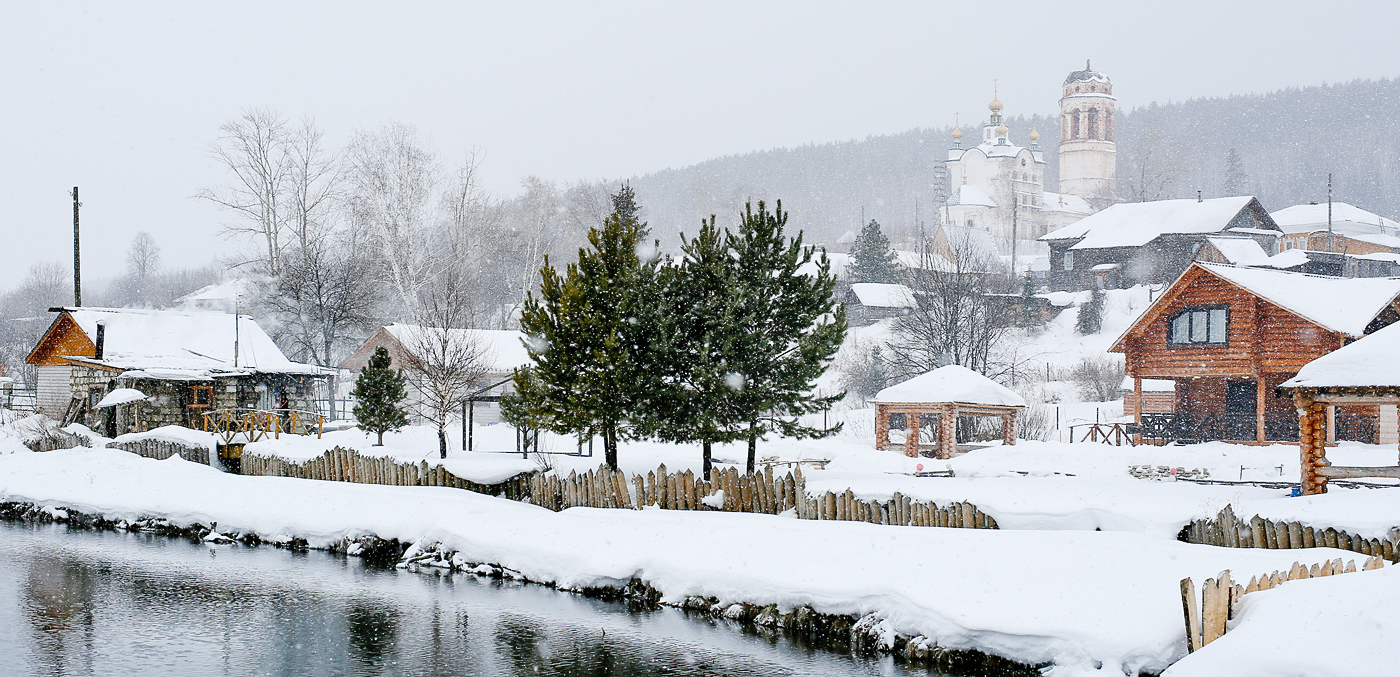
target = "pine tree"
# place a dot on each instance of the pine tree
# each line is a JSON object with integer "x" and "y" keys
{"x": 378, "y": 391}
{"x": 592, "y": 332}
{"x": 1090, "y": 318}
{"x": 872, "y": 260}
{"x": 701, "y": 348}
{"x": 1235, "y": 176}
{"x": 787, "y": 324}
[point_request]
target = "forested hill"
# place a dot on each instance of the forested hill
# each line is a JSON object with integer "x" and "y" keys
{"x": 1287, "y": 142}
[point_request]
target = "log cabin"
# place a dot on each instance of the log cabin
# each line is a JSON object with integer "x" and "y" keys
{"x": 1227, "y": 337}
{"x": 183, "y": 364}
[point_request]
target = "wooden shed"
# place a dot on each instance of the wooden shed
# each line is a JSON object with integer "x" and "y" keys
{"x": 1228, "y": 337}
{"x": 934, "y": 401}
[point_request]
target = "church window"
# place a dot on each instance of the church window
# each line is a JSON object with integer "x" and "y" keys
{"x": 1093, "y": 88}
{"x": 1023, "y": 162}
{"x": 1074, "y": 124}
{"x": 1093, "y": 131}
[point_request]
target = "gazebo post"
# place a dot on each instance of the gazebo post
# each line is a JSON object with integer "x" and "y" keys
{"x": 911, "y": 443}
{"x": 882, "y": 427}
{"x": 1312, "y": 443}
{"x": 947, "y": 431}
{"x": 1008, "y": 429}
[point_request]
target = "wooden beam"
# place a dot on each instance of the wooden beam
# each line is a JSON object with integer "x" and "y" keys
{"x": 1352, "y": 472}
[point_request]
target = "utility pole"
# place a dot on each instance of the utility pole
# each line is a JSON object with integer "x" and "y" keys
{"x": 1015, "y": 209}
{"x": 77, "y": 257}
{"x": 1329, "y": 212}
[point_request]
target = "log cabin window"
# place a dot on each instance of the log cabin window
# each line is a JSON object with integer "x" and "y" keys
{"x": 1200, "y": 326}
{"x": 201, "y": 396}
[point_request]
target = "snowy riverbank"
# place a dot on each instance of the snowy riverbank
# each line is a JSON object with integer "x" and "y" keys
{"x": 1080, "y": 599}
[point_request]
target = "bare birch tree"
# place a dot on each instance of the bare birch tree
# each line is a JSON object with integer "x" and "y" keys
{"x": 954, "y": 320}
{"x": 314, "y": 175}
{"x": 323, "y": 302}
{"x": 444, "y": 357}
{"x": 390, "y": 180}
{"x": 254, "y": 148}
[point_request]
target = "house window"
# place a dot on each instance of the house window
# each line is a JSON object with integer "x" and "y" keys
{"x": 1069, "y": 260}
{"x": 1200, "y": 326}
{"x": 201, "y": 396}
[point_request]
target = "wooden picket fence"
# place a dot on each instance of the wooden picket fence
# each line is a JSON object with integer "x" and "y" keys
{"x": 730, "y": 491}
{"x": 1229, "y": 531}
{"x": 163, "y": 449}
{"x": 339, "y": 464}
{"x": 1206, "y": 621}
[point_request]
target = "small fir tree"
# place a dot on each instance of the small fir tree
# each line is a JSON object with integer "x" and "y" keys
{"x": 872, "y": 260}
{"x": 378, "y": 391}
{"x": 1090, "y": 318}
{"x": 1235, "y": 176}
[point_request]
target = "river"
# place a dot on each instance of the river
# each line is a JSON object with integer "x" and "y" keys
{"x": 101, "y": 603}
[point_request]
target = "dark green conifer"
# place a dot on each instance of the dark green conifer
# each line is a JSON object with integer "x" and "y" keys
{"x": 378, "y": 391}
{"x": 872, "y": 260}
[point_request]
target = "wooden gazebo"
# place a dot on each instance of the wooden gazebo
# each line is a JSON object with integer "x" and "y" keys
{"x": 944, "y": 393}
{"x": 1364, "y": 373}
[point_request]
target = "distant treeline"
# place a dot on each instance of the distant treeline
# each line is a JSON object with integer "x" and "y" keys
{"x": 1286, "y": 143}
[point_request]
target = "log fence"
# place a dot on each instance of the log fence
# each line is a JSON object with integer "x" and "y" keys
{"x": 1206, "y": 620}
{"x": 340, "y": 464}
{"x": 163, "y": 449}
{"x": 1227, "y": 530}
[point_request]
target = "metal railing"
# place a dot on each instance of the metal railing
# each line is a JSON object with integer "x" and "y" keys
{"x": 1242, "y": 427}
{"x": 251, "y": 425}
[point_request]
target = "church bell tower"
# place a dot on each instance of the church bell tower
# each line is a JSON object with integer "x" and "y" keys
{"x": 1088, "y": 155}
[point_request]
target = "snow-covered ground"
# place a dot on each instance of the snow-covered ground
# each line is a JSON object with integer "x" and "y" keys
{"x": 1094, "y": 603}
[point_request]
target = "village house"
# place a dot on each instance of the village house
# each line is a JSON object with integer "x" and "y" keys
{"x": 179, "y": 364}
{"x": 1353, "y": 230}
{"x": 869, "y": 302}
{"x": 1150, "y": 242}
{"x": 1226, "y": 337}
{"x": 502, "y": 351}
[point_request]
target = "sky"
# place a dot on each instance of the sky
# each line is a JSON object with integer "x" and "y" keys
{"x": 124, "y": 99}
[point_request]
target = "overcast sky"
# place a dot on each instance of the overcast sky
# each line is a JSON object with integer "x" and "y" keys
{"x": 124, "y": 99}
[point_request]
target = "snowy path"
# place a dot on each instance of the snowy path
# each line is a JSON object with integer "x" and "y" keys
{"x": 1078, "y": 598}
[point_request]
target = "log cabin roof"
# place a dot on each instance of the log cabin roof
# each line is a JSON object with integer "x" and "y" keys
{"x": 1343, "y": 305}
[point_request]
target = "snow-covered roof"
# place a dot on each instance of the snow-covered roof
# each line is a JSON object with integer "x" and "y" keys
{"x": 846, "y": 238}
{"x": 1367, "y": 362}
{"x": 1287, "y": 259}
{"x": 840, "y": 265}
{"x": 977, "y": 242}
{"x": 1149, "y": 385}
{"x": 184, "y": 341}
{"x": 1344, "y": 305}
{"x": 1241, "y": 251}
{"x": 1133, "y": 224}
{"x": 1105, "y": 267}
{"x": 1040, "y": 264}
{"x": 915, "y": 260}
{"x": 1377, "y": 238}
{"x": 1064, "y": 202}
{"x": 121, "y": 396}
{"x": 880, "y": 295}
{"x": 969, "y": 194}
{"x": 503, "y": 350}
{"x": 952, "y": 383}
{"x": 1310, "y": 217}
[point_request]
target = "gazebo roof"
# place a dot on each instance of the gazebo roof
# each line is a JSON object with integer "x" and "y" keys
{"x": 1367, "y": 363}
{"x": 952, "y": 383}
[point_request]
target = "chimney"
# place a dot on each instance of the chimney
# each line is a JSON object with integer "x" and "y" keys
{"x": 101, "y": 338}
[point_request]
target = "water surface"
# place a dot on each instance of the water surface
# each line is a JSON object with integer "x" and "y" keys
{"x": 100, "y": 603}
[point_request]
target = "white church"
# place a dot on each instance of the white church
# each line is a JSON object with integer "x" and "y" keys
{"x": 1000, "y": 186}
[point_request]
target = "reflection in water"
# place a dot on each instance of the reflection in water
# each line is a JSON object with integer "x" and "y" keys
{"x": 84, "y": 603}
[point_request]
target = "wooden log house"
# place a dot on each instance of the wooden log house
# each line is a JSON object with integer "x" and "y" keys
{"x": 1228, "y": 337}
{"x": 936, "y": 400}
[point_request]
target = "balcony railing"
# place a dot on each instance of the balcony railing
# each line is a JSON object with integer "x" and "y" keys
{"x": 1244, "y": 428}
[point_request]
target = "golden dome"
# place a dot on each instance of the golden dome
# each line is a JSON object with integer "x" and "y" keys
{"x": 1002, "y": 130}
{"x": 995, "y": 105}
{"x": 1035, "y": 136}
{"x": 957, "y": 133}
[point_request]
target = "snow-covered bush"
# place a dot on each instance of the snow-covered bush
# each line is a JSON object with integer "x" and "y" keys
{"x": 1098, "y": 378}
{"x": 1036, "y": 423}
